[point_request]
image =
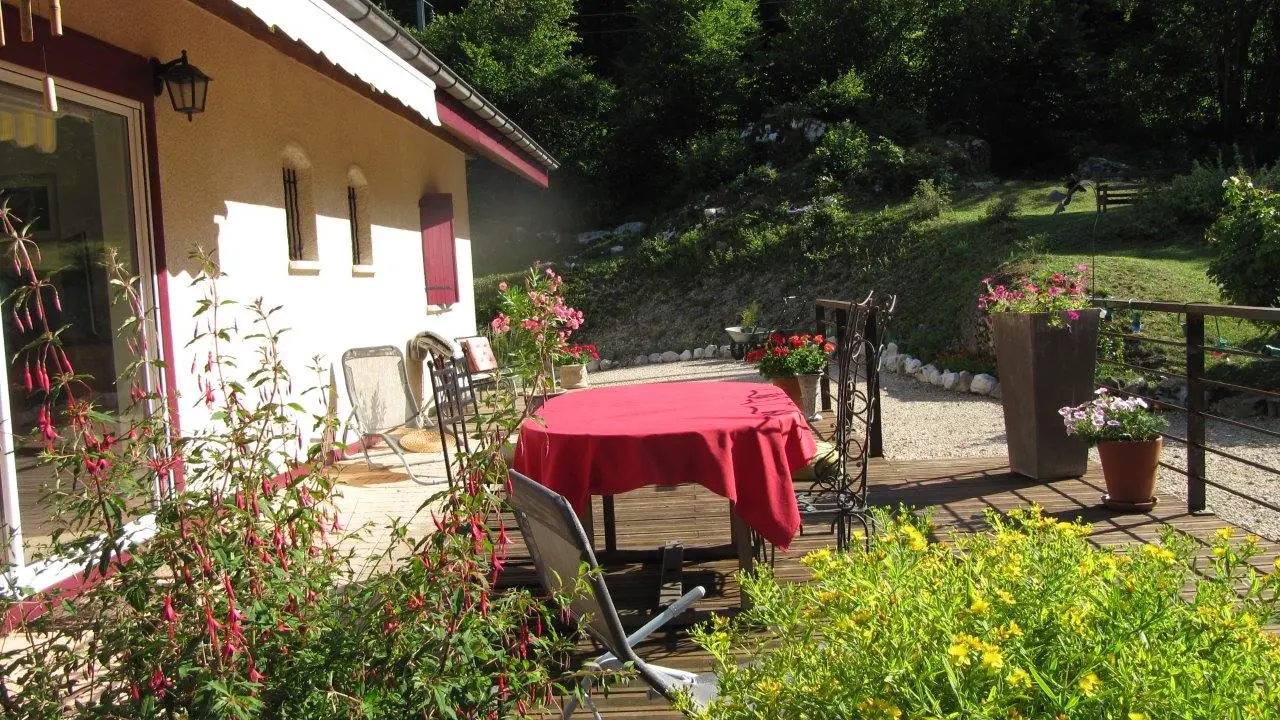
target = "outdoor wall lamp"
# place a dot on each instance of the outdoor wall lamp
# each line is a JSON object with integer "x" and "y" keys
{"x": 188, "y": 87}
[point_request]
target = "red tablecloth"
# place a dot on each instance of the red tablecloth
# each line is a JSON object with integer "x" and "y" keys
{"x": 740, "y": 440}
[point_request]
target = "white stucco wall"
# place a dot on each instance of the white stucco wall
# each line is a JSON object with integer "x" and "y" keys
{"x": 220, "y": 179}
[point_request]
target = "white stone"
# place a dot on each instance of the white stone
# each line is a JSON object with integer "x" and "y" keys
{"x": 910, "y": 365}
{"x": 963, "y": 380}
{"x": 713, "y": 212}
{"x": 709, "y": 351}
{"x": 699, "y": 353}
{"x": 948, "y": 380}
{"x": 982, "y": 384}
{"x": 640, "y": 360}
{"x": 891, "y": 363}
{"x": 606, "y": 364}
{"x": 726, "y": 351}
{"x": 593, "y": 366}
{"x": 931, "y": 374}
{"x": 669, "y": 356}
{"x": 890, "y": 349}
{"x": 655, "y": 357}
{"x": 616, "y": 249}
{"x": 686, "y": 355}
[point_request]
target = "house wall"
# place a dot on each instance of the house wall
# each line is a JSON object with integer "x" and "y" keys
{"x": 221, "y": 189}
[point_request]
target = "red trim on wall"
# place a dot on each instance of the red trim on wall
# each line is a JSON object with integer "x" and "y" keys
{"x": 479, "y": 134}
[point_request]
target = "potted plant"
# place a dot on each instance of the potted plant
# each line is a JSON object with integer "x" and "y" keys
{"x": 1046, "y": 339}
{"x": 808, "y": 359}
{"x": 1127, "y": 434}
{"x": 571, "y": 364}
{"x": 748, "y": 334}
{"x": 532, "y": 328}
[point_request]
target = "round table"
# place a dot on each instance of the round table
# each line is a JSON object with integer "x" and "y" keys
{"x": 741, "y": 440}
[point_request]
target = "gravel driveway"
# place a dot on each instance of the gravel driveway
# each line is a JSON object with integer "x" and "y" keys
{"x": 922, "y": 421}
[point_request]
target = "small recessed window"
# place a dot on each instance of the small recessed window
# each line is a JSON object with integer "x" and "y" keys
{"x": 358, "y": 216}
{"x": 299, "y": 209}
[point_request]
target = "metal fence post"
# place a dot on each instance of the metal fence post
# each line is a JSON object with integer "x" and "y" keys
{"x": 871, "y": 336}
{"x": 1195, "y": 412}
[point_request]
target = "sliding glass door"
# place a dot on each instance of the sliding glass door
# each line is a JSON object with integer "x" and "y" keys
{"x": 77, "y": 177}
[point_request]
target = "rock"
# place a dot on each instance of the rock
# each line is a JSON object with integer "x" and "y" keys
{"x": 606, "y": 364}
{"x": 655, "y": 357}
{"x": 995, "y": 391}
{"x": 709, "y": 351}
{"x": 699, "y": 353}
{"x": 712, "y": 212}
{"x": 890, "y": 349}
{"x": 948, "y": 380}
{"x": 963, "y": 380}
{"x": 631, "y": 227}
{"x": 593, "y": 366}
{"x": 1241, "y": 406}
{"x": 890, "y": 363}
{"x": 982, "y": 384}
{"x": 640, "y": 360}
{"x": 726, "y": 351}
{"x": 587, "y": 238}
{"x": 617, "y": 249}
{"x": 929, "y": 373}
{"x": 1135, "y": 387}
{"x": 910, "y": 365}
{"x": 686, "y": 355}
{"x": 669, "y": 356}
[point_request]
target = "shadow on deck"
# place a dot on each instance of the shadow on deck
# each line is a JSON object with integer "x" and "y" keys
{"x": 959, "y": 490}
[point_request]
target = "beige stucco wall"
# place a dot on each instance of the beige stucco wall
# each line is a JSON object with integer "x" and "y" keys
{"x": 220, "y": 178}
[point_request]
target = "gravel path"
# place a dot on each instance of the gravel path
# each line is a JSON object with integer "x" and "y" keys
{"x": 922, "y": 421}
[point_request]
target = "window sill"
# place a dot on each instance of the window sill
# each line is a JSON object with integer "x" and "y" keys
{"x": 304, "y": 267}
{"x": 361, "y": 271}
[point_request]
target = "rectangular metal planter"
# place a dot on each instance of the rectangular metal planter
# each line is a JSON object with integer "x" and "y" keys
{"x": 1042, "y": 369}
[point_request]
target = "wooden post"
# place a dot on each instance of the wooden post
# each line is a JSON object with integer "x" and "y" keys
{"x": 871, "y": 335}
{"x": 26, "y": 23}
{"x": 819, "y": 327}
{"x": 1195, "y": 412}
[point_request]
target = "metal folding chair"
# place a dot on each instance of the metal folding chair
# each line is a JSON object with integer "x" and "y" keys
{"x": 381, "y": 399}
{"x": 454, "y": 394}
{"x": 563, "y": 557}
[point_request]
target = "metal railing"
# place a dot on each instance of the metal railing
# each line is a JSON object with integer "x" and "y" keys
{"x": 1192, "y": 363}
{"x": 831, "y": 318}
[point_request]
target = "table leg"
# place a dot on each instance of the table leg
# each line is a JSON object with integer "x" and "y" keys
{"x": 610, "y": 525}
{"x": 741, "y": 533}
{"x": 587, "y": 519}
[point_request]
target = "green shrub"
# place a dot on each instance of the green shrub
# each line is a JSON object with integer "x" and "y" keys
{"x": 1028, "y": 620}
{"x": 1003, "y": 210}
{"x": 843, "y": 152}
{"x": 930, "y": 200}
{"x": 1247, "y": 239}
{"x": 709, "y": 159}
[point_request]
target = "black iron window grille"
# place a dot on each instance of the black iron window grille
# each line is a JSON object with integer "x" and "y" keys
{"x": 293, "y": 214}
{"x": 353, "y": 214}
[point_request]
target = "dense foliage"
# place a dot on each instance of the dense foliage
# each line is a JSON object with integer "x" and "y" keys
{"x": 1029, "y": 620}
{"x": 1247, "y": 240}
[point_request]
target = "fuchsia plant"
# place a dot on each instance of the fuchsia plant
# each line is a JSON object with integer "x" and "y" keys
{"x": 247, "y": 599}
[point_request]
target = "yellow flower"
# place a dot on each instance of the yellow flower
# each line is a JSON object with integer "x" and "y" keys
{"x": 959, "y": 653}
{"x": 992, "y": 660}
{"x": 880, "y": 709}
{"x": 769, "y": 688}
{"x": 1219, "y": 552}
{"x": 1137, "y": 716}
{"x": 1018, "y": 678}
{"x": 1006, "y": 597}
{"x": 1012, "y": 630}
{"x": 979, "y": 606}
{"x": 1158, "y": 552}
{"x": 1225, "y": 533}
{"x": 915, "y": 540}
{"x": 1089, "y": 683}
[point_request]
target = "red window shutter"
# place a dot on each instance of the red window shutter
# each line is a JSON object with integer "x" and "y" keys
{"x": 439, "y": 255}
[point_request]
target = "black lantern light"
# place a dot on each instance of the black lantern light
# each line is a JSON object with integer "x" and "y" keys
{"x": 188, "y": 87}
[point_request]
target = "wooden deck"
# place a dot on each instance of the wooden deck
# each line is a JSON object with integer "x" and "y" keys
{"x": 960, "y": 491}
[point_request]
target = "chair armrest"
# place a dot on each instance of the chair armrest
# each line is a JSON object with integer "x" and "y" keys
{"x": 672, "y": 611}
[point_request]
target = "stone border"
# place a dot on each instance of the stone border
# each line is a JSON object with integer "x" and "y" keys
{"x": 658, "y": 358}
{"x": 981, "y": 384}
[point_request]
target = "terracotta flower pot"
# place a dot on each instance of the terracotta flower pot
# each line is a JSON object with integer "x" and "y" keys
{"x": 791, "y": 387}
{"x": 1129, "y": 469}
